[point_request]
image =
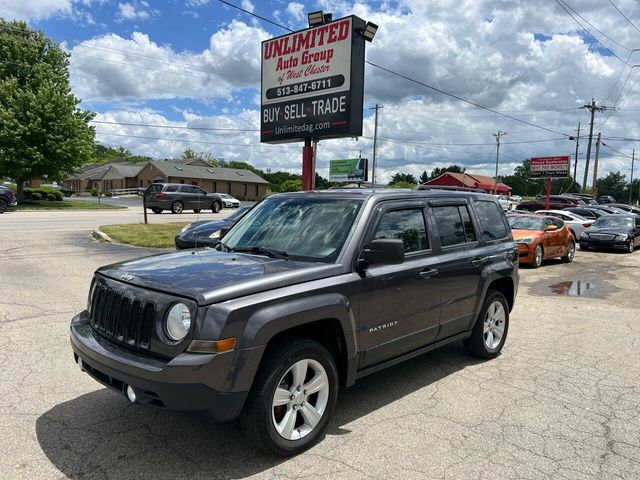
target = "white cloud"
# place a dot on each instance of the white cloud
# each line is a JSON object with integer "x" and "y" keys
{"x": 248, "y": 5}
{"x": 34, "y": 9}
{"x": 115, "y": 68}
{"x": 296, "y": 10}
{"x": 129, "y": 11}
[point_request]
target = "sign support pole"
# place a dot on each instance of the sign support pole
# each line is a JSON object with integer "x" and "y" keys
{"x": 307, "y": 165}
{"x": 546, "y": 202}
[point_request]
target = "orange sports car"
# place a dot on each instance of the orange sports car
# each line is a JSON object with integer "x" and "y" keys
{"x": 541, "y": 237}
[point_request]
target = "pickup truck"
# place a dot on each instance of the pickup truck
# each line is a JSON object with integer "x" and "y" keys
{"x": 304, "y": 295}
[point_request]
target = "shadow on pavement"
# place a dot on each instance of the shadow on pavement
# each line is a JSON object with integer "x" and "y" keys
{"x": 99, "y": 435}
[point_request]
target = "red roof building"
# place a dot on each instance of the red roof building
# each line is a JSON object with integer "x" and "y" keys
{"x": 470, "y": 180}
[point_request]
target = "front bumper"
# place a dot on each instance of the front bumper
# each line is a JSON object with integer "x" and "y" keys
{"x": 594, "y": 243}
{"x": 13, "y": 202}
{"x": 189, "y": 382}
{"x": 525, "y": 252}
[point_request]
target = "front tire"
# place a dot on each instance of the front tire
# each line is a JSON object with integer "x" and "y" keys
{"x": 571, "y": 252}
{"x": 490, "y": 331}
{"x": 3, "y": 206}
{"x": 630, "y": 246}
{"x": 216, "y": 207}
{"x": 177, "y": 207}
{"x": 538, "y": 256}
{"x": 292, "y": 398}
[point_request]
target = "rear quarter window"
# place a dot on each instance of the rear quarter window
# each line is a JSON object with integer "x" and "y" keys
{"x": 492, "y": 221}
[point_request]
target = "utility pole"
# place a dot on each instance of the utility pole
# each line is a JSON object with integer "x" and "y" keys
{"x": 497, "y": 135}
{"x": 375, "y": 142}
{"x": 595, "y": 168}
{"x": 593, "y": 108}
{"x": 633, "y": 157}
{"x": 575, "y": 160}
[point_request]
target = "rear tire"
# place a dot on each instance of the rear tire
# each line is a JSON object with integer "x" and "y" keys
{"x": 177, "y": 207}
{"x": 490, "y": 330}
{"x": 538, "y": 256}
{"x": 216, "y": 207}
{"x": 279, "y": 416}
{"x": 571, "y": 251}
{"x": 156, "y": 210}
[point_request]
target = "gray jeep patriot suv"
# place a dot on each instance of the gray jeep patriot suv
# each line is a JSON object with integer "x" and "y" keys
{"x": 306, "y": 293}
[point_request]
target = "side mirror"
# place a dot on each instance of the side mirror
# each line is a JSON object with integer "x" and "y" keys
{"x": 384, "y": 251}
{"x": 551, "y": 228}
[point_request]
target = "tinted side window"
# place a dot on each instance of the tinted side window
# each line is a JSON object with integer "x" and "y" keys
{"x": 188, "y": 189}
{"x": 171, "y": 188}
{"x": 467, "y": 223}
{"x": 449, "y": 225}
{"x": 491, "y": 220}
{"x": 406, "y": 225}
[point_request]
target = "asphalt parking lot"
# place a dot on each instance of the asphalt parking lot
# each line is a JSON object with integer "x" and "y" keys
{"x": 562, "y": 401}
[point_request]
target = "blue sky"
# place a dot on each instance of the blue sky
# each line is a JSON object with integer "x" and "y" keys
{"x": 195, "y": 63}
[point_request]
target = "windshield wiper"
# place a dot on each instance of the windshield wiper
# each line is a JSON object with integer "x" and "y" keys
{"x": 258, "y": 250}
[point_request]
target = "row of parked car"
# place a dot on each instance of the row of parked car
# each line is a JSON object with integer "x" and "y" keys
{"x": 178, "y": 197}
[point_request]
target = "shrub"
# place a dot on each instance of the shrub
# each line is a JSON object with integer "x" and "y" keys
{"x": 35, "y": 196}
{"x": 94, "y": 191}
{"x": 44, "y": 192}
{"x": 51, "y": 197}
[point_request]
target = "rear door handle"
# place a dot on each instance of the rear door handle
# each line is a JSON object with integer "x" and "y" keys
{"x": 428, "y": 273}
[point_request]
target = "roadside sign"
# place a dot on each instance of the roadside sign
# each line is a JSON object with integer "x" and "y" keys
{"x": 551, "y": 167}
{"x": 313, "y": 83}
{"x": 349, "y": 170}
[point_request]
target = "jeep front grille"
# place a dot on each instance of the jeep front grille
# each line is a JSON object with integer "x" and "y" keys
{"x": 126, "y": 320}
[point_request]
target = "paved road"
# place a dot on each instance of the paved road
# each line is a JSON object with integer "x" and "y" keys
{"x": 562, "y": 401}
{"x": 86, "y": 220}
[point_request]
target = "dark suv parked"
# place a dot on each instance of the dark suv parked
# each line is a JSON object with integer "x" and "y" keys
{"x": 556, "y": 202}
{"x": 7, "y": 198}
{"x": 178, "y": 197}
{"x": 306, "y": 293}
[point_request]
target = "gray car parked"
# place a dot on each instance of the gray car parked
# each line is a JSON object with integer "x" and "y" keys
{"x": 178, "y": 197}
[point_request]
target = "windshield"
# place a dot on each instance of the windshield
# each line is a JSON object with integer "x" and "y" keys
{"x": 526, "y": 223}
{"x": 306, "y": 229}
{"x": 613, "y": 221}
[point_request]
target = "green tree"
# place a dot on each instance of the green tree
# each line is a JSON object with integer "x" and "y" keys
{"x": 104, "y": 154}
{"x": 436, "y": 172}
{"x": 402, "y": 184}
{"x": 613, "y": 184}
{"x": 403, "y": 177}
{"x": 291, "y": 186}
{"x": 42, "y": 130}
{"x": 424, "y": 177}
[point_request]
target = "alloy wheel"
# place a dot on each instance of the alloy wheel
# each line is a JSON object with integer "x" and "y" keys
{"x": 300, "y": 399}
{"x": 494, "y": 325}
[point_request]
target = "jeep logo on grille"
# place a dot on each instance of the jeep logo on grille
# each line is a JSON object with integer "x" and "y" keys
{"x": 127, "y": 276}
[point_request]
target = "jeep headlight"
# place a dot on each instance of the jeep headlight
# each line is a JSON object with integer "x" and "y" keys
{"x": 185, "y": 228}
{"x": 215, "y": 235}
{"x": 526, "y": 240}
{"x": 178, "y": 322}
{"x": 622, "y": 236}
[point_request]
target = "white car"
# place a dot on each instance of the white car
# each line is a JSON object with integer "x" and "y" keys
{"x": 576, "y": 223}
{"x": 504, "y": 202}
{"x": 228, "y": 201}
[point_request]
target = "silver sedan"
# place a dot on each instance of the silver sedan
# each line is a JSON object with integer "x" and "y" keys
{"x": 574, "y": 222}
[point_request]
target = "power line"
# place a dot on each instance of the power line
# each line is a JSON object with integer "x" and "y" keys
{"x": 625, "y": 17}
{"x": 409, "y": 142}
{"x": 594, "y": 27}
{"x": 176, "y": 126}
{"x": 400, "y": 75}
{"x": 587, "y": 31}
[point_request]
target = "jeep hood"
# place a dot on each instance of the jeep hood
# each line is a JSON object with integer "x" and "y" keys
{"x": 210, "y": 276}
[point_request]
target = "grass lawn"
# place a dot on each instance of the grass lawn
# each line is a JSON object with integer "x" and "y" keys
{"x": 150, "y": 235}
{"x": 65, "y": 205}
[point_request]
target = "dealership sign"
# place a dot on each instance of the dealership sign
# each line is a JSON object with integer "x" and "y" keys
{"x": 350, "y": 170}
{"x": 313, "y": 83}
{"x": 551, "y": 167}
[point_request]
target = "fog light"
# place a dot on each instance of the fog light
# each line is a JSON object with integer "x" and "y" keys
{"x": 131, "y": 395}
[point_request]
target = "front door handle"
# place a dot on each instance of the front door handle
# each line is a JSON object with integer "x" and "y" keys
{"x": 477, "y": 261}
{"x": 428, "y": 273}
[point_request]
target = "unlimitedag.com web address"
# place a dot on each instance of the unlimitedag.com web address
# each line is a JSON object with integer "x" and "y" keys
{"x": 302, "y": 128}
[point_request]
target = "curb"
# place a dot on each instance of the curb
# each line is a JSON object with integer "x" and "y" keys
{"x": 100, "y": 234}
